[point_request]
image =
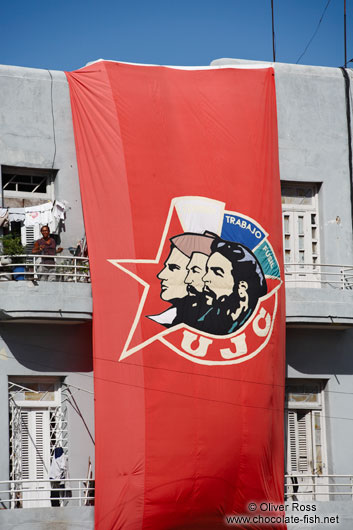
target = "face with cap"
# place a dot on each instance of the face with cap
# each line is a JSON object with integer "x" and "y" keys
{"x": 172, "y": 276}
{"x": 196, "y": 269}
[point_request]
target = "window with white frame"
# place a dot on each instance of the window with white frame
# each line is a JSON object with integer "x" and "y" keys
{"x": 306, "y": 441}
{"x": 37, "y": 424}
{"x": 301, "y": 232}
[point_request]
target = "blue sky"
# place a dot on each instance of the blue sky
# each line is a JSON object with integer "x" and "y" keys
{"x": 66, "y": 34}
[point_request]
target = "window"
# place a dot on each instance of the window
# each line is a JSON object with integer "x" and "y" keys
{"x": 26, "y": 187}
{"x": 306, "y": 440}
{"x": 37, "y": 424}
{"x": 301, "y": 233}
{"x": 24, "y": 183}
{"x": 305, "y": 427}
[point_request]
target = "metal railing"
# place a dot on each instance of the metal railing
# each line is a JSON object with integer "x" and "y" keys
{"x": 44, "y": 268}
{"x": 319, "y": 275}
{"x": 304, "y": 487}
{"x": 81, "y": 491}
{"x": 46, "y": 493}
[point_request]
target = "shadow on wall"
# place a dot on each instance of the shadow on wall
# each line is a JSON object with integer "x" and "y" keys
{"x": 319, "y": 351}
{"x": 47, "y": 347}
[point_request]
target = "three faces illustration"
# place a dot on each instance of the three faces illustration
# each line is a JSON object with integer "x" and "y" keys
{"x": 212, "y": 284}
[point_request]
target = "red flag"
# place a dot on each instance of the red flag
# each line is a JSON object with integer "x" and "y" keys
{"x": 181, "y": 196}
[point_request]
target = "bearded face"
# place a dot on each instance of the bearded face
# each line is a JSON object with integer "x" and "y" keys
{"x": 218, "y": 280}
{"x": 196, "y": 269}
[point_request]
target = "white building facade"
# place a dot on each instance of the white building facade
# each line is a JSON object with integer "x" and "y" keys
{"x": 46, "y": 379}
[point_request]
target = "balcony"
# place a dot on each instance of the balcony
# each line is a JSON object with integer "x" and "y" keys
{"x": 303, "y": 487}
{"x": 324, "y": 501}
{"x": 80, "y": 491}
{"x": 311, "y": 499}
{"x": 31, "y": 289}
{"x": 75, "y": 510}
{"x": 38, "y": 493}
{"x": 319, "y": 294}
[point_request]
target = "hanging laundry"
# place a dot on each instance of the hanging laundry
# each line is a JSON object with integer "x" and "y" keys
{"x": 16, "y": 215}
{"x": 32, "y": 218}
{"x": 58, "y": 214}
{"x": 59, "y": 210}
{"x": 40, "y": 214}
{"x": 4, "y": 217}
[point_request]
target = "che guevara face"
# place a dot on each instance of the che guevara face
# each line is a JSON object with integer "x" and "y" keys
{"x": 196, "y": 269}
{"x": 173, "y": 275}
{"x": 218, "y": 279}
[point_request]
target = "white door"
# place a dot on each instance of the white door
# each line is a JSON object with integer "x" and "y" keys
{"x": 35, "y": 457}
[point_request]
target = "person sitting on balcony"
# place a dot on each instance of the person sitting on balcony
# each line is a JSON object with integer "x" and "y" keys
{"x": 46, "y": 246}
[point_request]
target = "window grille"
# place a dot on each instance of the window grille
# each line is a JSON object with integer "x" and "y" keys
{"x": 37, "y": 424}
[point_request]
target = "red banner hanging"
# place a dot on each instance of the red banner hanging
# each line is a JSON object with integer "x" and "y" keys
{"x": 181, "y": 196}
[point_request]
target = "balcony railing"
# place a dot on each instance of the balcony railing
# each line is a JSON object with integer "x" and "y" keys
{"x": 319, "y": 275}
{"x": 43, "y": 493}
{"x": 309, "y": 487}
{"x": 44, "y": 268}
{"x": 81, "y": 491}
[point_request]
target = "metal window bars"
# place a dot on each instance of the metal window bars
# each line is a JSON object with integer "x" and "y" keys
{"x": 58, "y": 426}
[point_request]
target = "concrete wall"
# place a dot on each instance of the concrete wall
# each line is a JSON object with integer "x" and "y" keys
{"x": 33, "y": 104}
{"x": 327, "y": 355}
{"x": 69, "y": 518}
{"x": 75, "y": 518}
{"x": 54, "y": 300}
{"x": 341, "y": 513}
{"x": 62, "y": 350}
{"x": 312, "y": 148}
{"x": 312, "y": 128}
{"x": 312, "y": 134}
{"x": 35, "y": 338}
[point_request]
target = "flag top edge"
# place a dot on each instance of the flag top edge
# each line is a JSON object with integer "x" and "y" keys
{"x": 215, "y": 67}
